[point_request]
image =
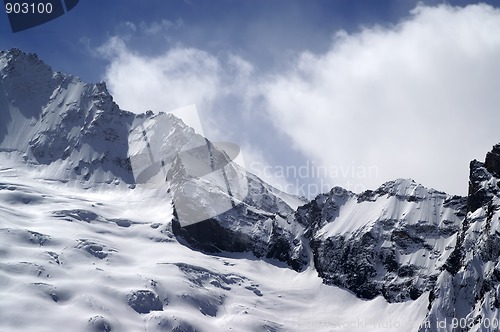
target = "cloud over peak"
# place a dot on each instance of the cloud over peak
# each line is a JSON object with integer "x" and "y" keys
{"x": 417, "y": 99}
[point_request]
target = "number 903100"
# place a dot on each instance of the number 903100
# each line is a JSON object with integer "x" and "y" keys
{"x": 28, "y": 8}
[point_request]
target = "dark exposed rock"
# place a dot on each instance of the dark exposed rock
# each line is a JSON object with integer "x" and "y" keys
{"x": 208, "y": 305}
{"x": 213, "y": 236}
{"x": 122, "y": 222}
{"x": 144, "y": 301}
{"x": 321, "y": 210}
{"x": 95, "y": 249}
{"x": 28, "y": 236}
{"x": 201, "y": 278}
{"x": 492, "y": 161}
{"x": 99, "y": 324}
{"x": 38, "y": 238}
{"x": 210, "y": 236}
{"x": 338, "y": 264}
{"x": 478, "y": 195}
{"x": 78, "y": 214}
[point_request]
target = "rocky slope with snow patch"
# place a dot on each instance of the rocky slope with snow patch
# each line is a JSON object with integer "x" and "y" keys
{"x": 260, "y": 223}
{"x": 391, "y": 242}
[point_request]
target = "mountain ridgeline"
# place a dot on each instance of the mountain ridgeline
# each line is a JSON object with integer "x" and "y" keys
{"x": 401, "y": 241}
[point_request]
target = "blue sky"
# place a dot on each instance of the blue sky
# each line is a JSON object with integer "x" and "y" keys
{"x": 263, "y": 30}
{"x": 350, "y": 87}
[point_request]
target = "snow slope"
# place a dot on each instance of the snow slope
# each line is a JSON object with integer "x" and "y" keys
{"x": 106, "y": 260}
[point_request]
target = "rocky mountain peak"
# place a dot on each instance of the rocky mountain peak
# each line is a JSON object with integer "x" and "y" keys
{"x": 483, "y": 179}
{"x": 492, "y": 161}
{"x": 15, "y": 61}
{"x": 404, "y": 189}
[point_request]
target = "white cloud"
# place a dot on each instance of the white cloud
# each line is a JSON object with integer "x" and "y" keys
{"x": 418, "y": 99}
{"x": 154, "y": 28}
{"x": 130, "y": 25}
{"x": 174, "y": 79}
{"x": 179, "y": 77}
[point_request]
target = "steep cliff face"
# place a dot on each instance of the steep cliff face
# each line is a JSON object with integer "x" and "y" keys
{"x": 390, "y": 242}
{"x": 468, "y": 289}
{"x": 260, "y": 222}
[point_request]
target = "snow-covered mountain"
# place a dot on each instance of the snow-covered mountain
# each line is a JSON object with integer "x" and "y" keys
{"x": 94, "y": 238}
{"x": 69, "y": 130}
{"x": 405, "y": 242}
{"x": 115, "y": 221}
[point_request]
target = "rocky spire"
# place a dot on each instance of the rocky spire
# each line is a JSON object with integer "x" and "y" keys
{"x": 482, "y": 183}
{"x": 492, "y": 161}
